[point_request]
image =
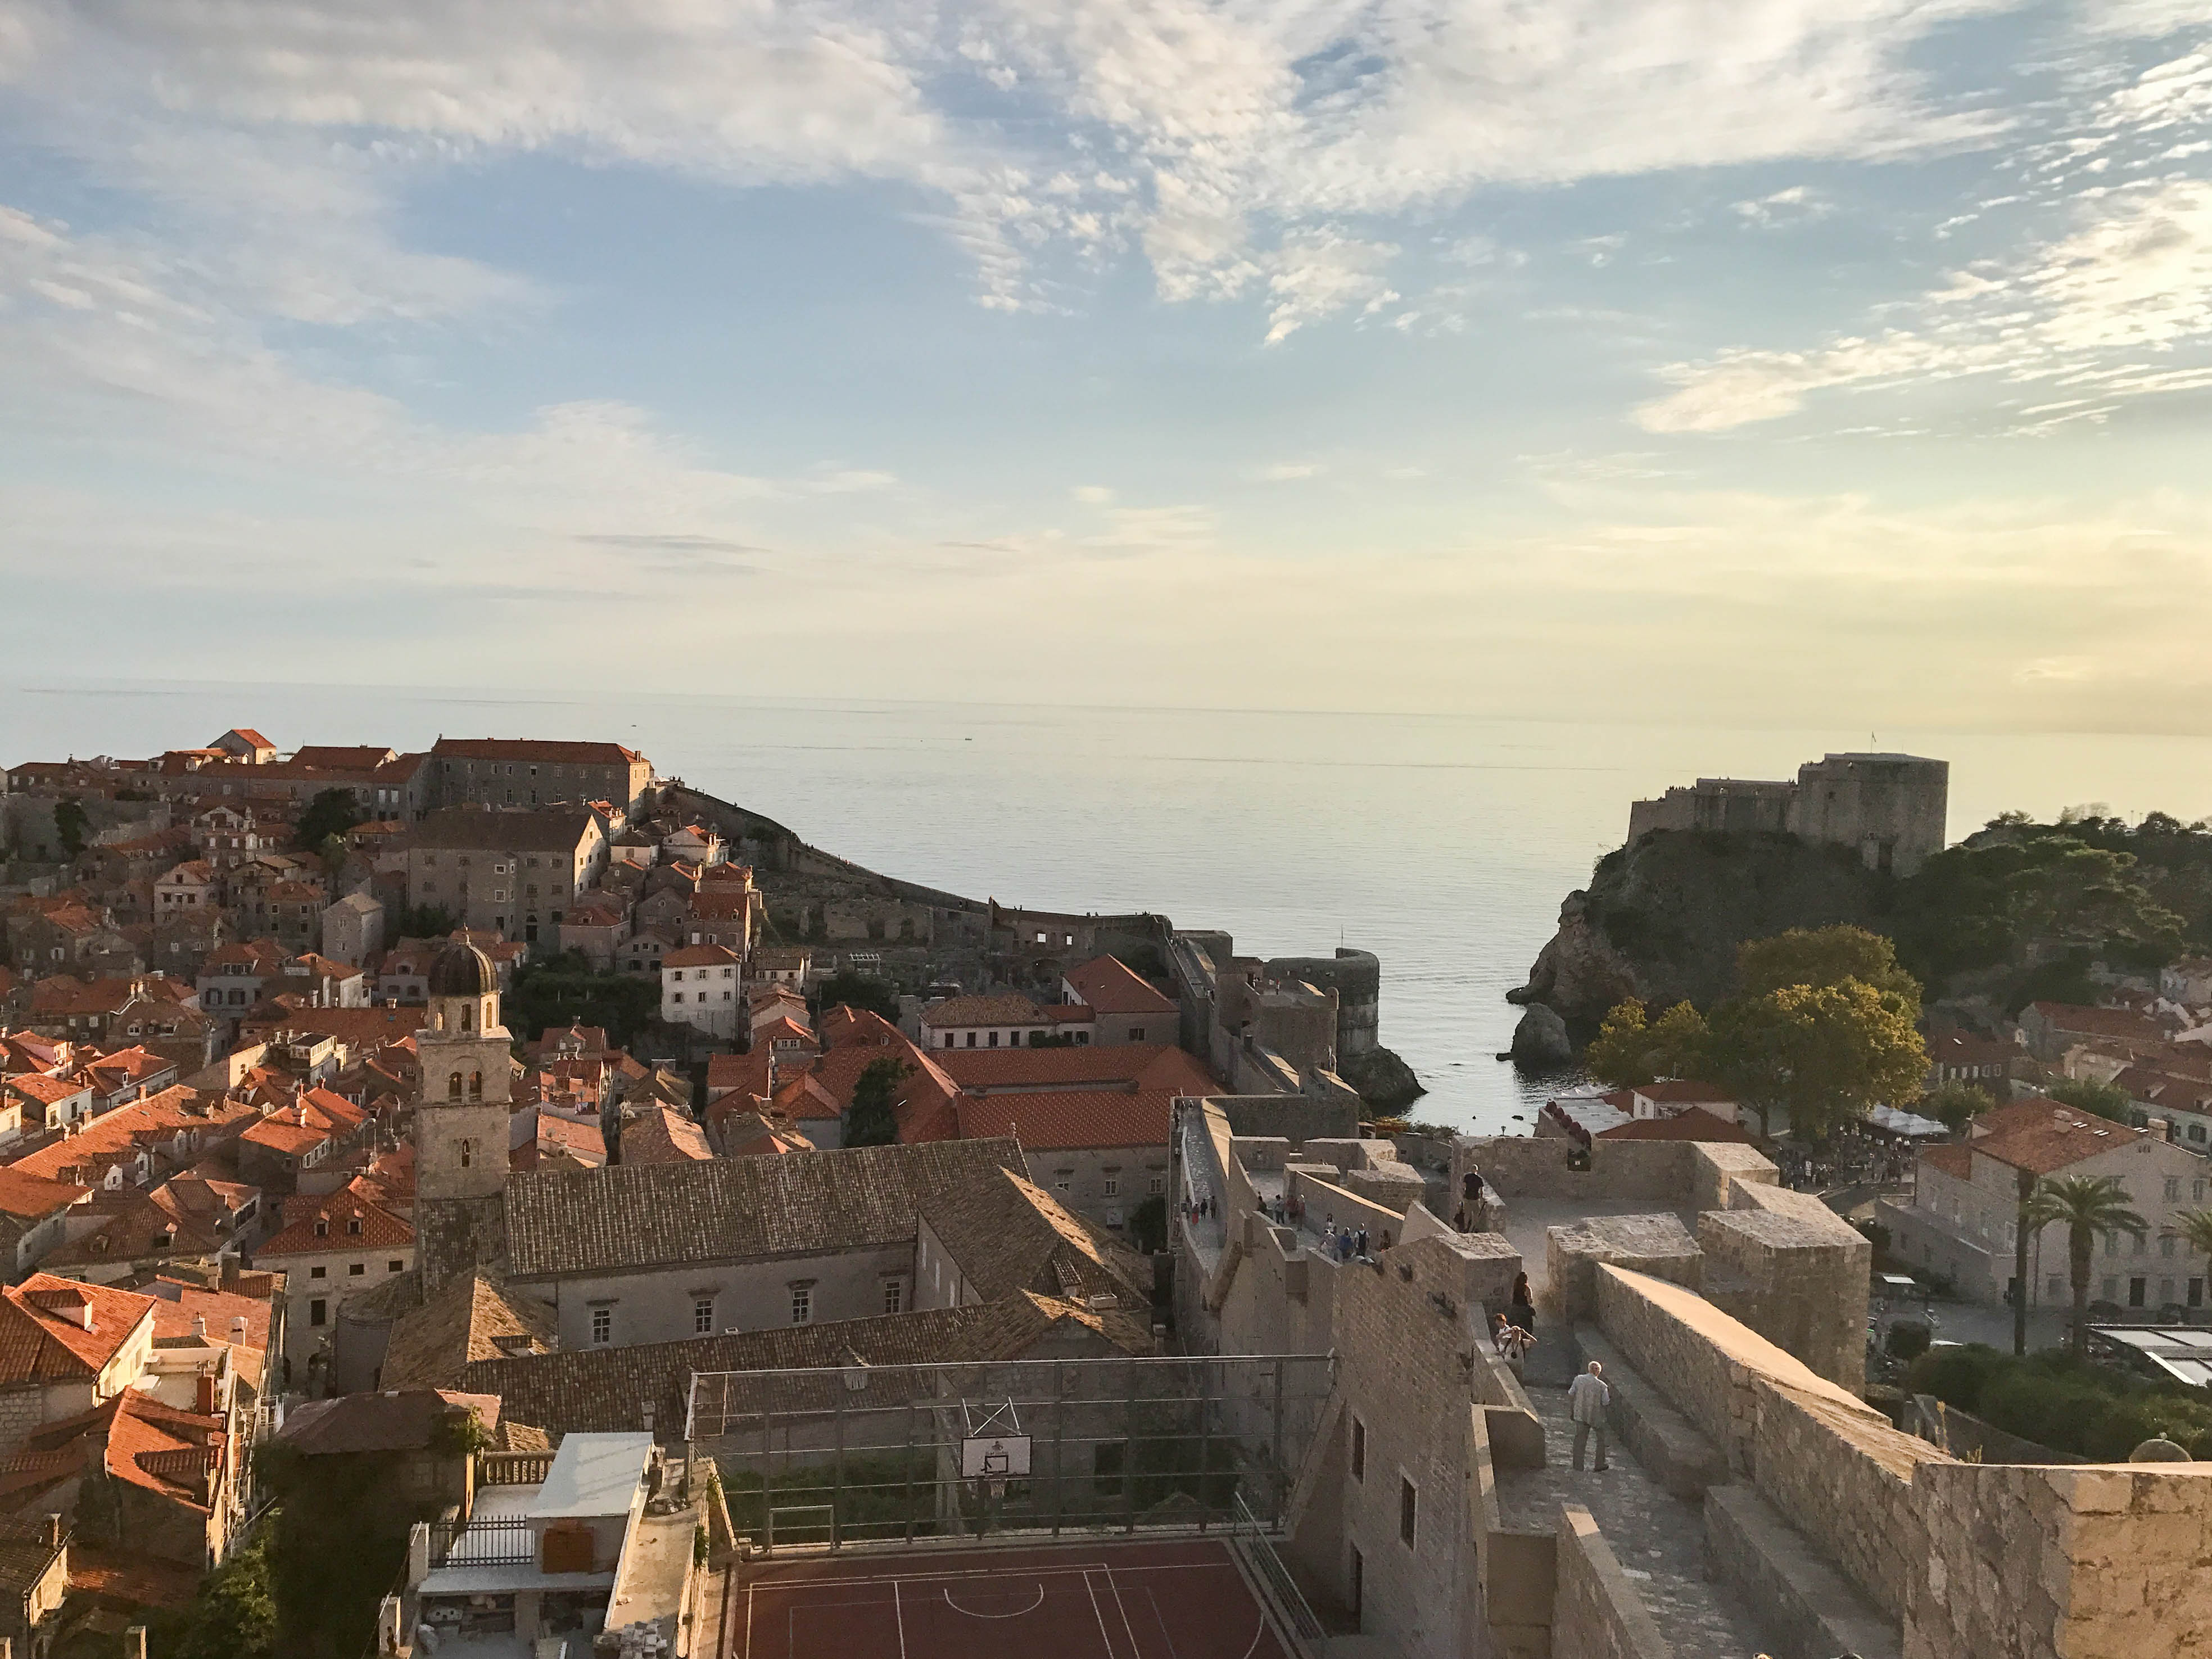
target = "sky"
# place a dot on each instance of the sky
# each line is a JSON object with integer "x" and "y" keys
{"x": 1811, "y": 361}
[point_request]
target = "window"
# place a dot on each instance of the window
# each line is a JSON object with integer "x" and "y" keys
{"x": 1358, "y": 1581}
{"x": 2137, "y": 1289}
{"x": 1136, "y": 1034}
{"x": 893, "y": 1295}
{"x": 355, "y": 1270}
{"x": 322, "y": 1226}
{"x": 1113, "y": 1185}
{"x": 395, "y": 1266}
{"x": 319, "y": 1312}
{"x": 2108, "y": 1289}
{"x": 602, "y": 1325}
{"x": 676, "y": 996}
{"x": 453, "y": 1085}
{"x": 1358, "y": 1450}
{"x": 2173, "y": 1187}
{"x": 2164, "y": 1293}
{"x": 703, "y": 1315}
{"x": 468, "y": 1153}
{"x": 802, "y": 1305}
{"x": 1408, "y": 1507}
{"x": 2054, "y": 1288}
{"x": 319, "y": 1272}
{"x": 1157, "y": 1185}
{"x": 995, "y": 1039}
{"x": 2166, "y": 1245}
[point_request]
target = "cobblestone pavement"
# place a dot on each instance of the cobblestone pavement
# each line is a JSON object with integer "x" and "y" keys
{"x": 1659, "y": 1540}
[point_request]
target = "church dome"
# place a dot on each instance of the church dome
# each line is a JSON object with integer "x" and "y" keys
{"x": 462, "y": 970}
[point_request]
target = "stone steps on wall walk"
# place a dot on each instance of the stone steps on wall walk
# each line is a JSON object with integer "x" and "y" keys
{"x": 1658, "y": 1538}
{"x": 1808, "y": 1609}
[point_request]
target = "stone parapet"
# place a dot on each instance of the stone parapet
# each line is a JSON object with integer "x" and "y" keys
{"x": 1797, "y": 1276}
{"x": 1597, "y": 1614}
{"x": 1657, "y": 1245}
{"x": 1809, "y": 1610}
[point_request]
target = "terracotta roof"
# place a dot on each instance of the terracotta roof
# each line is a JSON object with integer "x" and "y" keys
{"x": 622, "y": 1216}
{"x": 2100, "y": 1022}
{"x": 379, "y": 1228}
{"x": 700, "y": 956}
{"x": 1008, "y": 1234}
{"x": 471, "y": 828}
{"x": 1058, "y": 1118}
{"x": 748, "y": 1135}
{"x": 44, "y": 1337}
{"x": 524, "y": 749}
{"x": 658, "y": 1135}
{"x": 1692, "y": 1123}
{"x": 391, "y": 1420}
{"x": 1149, "y": 1064}
{"x": 25, "y": 1556}
{"x": 609, "y": 1390}
{"x": 119, "y": 1134}
{"x": 2042, "y": 1145}
{"x": 1957, "y": 1162}
{"x": 1111, "y": 987}
{"x": 342, "y": 758}
{"x": 32, "y": 1198}
{"x": 431, "y": 1346}
{"x": 982, "y": 1011}
{"x": 47, "y": 1090}
{"x": 132, "y": 1578}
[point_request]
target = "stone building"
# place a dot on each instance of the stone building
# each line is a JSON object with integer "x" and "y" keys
{"x": 1890, "y": 809}
{"x": 699, "y": 987}
{"x": 353, "y": 929}
{"x": 513, "y": 874}
{"x": 505, "y": 772}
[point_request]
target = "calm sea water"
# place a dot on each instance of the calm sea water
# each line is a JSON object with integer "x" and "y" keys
{"x": 1444, "y": 844}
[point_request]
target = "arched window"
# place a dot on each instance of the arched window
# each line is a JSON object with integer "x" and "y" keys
{"x": 453, "y": 1086}
{"x": 468, "y": 1152}
{"x": 475, "y": 1085}
{"x": 468, "y": 1016}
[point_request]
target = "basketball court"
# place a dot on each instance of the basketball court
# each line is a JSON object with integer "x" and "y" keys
{"x": 1183, "y": 1600}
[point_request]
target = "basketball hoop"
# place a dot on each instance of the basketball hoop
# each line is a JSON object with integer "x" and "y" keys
{"x": 994, "y": 1450}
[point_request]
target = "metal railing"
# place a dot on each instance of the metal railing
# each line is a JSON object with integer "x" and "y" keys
{"x": 503, "y": 1542}
{"x": 1259, "y": 1550}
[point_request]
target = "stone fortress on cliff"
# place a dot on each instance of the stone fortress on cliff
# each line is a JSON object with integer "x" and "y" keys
{"x": 1891, "y": 808}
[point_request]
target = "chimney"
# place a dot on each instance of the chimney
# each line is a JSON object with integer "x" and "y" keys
{"x": 237, "y": 1329}
{"x": 2160, "y": 1128}
{"x": 204, "y": 1400}
{"x": 53, "y": 1532}
{"x": 199, "y": 1328}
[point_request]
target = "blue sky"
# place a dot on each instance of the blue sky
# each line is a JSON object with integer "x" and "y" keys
{"x": 1809, "y": 361}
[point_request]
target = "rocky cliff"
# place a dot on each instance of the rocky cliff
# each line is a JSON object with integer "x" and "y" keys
{"x": 1662, "y": 917}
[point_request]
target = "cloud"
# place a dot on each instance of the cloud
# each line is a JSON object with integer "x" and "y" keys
{"x": 2121, "y": 306}
{"x": 1092, "y": 495}
{"x": 1793, "y": 206}
{"x": 1286, "y": 472}
{"x": 1183, "y": 529}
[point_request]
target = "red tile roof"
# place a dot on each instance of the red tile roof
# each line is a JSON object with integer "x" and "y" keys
{"x": 982, "y": 1011}
{"x": 1149, "y": 1064}
{"x": 524, "y": 749}
{"x": 57, "y": 1330}
{"x": 30, "y": 1198}
{"x": 1069, "y": 1118}
{"x": 379, "y": 1228}
{"x": 658, "y": 1135}
{"x": 700, "y": 956}
{"x": 1692, "y": 1123}
{"x": 1111, "y": 987}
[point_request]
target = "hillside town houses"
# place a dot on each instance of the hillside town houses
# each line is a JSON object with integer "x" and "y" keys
{"x": 520, "y": 1127}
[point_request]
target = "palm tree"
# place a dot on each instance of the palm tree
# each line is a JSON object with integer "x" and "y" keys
{"x": 2194, "y": 1229}
{"x": 2089, "y": 1207}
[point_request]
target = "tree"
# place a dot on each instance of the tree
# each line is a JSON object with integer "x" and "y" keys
{"x": 2090, "y": 1209}
{"x": 1823, "y": 956}
{"x": 1148, "y": 1226}
{"x": 2194, "y": 1229}
{"x": 234, "y": 1615}
{"x": 71, "y": 822}
{"x": 858, "y": 991}
{"x": 332, "y": 812}
{"x": 1956, "y": 1105}
{"x": 871, "y": 1120}
{"x": 2098, "y": 1099}
{"x": 1628, "y": 1052}
{"x": 423, "y": 921}
{"x": 2023, "y": 1228}
{"x": 1824, "y": 1053}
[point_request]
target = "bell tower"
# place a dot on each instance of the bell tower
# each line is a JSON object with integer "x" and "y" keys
{"x": 461, "y": 1120}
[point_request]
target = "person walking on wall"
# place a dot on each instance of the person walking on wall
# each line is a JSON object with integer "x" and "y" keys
{"x": 1523, "y": 1311}
{"x": 1587, "y": 1398}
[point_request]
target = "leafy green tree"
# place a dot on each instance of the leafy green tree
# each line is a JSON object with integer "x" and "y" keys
{"x": 71, "y": 822}
{"x": 1824, "y": 1053}
{"x": 849, "y": 989}
{"x": 871, "y": 1120}
{"x": 332, "y": 812}
{"x": 2089, "y": 1209}
{"x": 2041, "y": 886}
{"x": 1955, "y": 1104}
{"x": 1148, "y": 1226}
{"x": 566, "y": 990}
{"x": 2098, "y": 1099}
{"x": 423, "y": 921}
{"x": 1628, "y": 1051}
{"x": 234, "y": 1615}
{"x": 1823, "y": 956}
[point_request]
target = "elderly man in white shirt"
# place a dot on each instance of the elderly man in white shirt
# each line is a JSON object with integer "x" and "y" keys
{"x": 1587, "y": 1398}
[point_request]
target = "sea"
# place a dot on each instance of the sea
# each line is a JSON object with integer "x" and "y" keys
{"x": 1444, "y": 843}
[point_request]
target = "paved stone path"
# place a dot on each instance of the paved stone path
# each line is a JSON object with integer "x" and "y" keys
{"x": 1659, "y": 1539}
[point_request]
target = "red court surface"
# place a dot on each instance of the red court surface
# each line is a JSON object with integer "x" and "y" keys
{"x": 1088, "y": 1601}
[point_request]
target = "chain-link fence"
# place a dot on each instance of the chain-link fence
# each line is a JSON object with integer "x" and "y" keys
{"x": 875, "y": 1453}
